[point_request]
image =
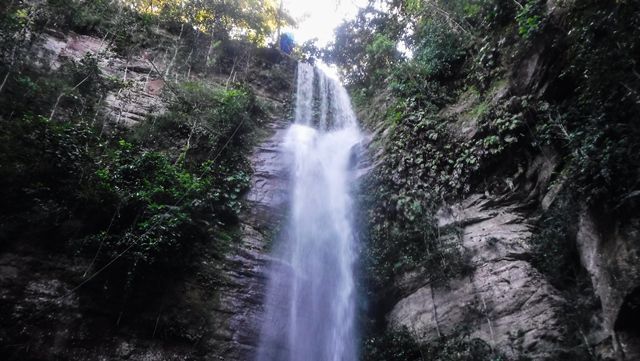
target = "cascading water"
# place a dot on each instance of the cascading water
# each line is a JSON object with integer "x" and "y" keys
{"x": 310, "y": 301}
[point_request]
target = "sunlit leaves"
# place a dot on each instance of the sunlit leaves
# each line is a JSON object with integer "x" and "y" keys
{"x": 254, "y": 19}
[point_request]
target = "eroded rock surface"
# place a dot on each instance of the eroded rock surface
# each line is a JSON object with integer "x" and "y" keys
{"x": 503, "y": 301}
{"x": 127, "y": 106}
{"x": 242, "y": 298}
{"x": 212, "y": 312}
{"x": 49, "y": 309}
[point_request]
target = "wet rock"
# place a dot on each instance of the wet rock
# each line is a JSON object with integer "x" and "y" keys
{"x": 267, "y": 197}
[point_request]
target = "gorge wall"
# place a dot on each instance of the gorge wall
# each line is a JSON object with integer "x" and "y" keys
{"x": 56, "y": 302}
{"x": 498, "y": 207}
{"x": 501, "y": 250}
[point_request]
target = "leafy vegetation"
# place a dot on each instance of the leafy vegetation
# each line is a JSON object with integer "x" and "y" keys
{"x": 411, "y": 182}
{"x": 554, "y": 250}
{"x": 555, "y": 254}
{"x": 201, "y": 36}
{"x": 427, "y": 161}
{"x": 256, "y": 20}
{"x": 462, "y": 116}
{"x": 135, "y": 203}
{"x": 599, "y": 130}
{"x": 457, "y": 111}
{"x": 206, "y": 117}
{"x": 529, "y": 18}
{"x": 117, "y": 200}
{"x": 130, "y": 20}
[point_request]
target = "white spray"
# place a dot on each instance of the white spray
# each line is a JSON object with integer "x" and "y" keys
{"x": 310, "y": 304}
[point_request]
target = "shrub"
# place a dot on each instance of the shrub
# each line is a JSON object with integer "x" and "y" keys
{"x": 137, "y": 211}
{"x": 96, "y": 16}
{"x": 206, "y": 116}
{"x": 529, "y": 18}
{"x": 437, "y": 49}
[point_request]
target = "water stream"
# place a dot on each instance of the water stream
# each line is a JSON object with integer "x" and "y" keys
{"x": 310, "y": 301}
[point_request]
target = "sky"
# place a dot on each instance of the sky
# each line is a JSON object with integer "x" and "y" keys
{"x": 319, "y": 18}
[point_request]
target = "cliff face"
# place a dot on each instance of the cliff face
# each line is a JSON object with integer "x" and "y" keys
{"x": 51, "y": 309}
{"x": 491, "y": 242}
{"x": 504, "y": 300}
{"x": 507, "y": 302}
{"x": 610, "y": 253}
{"x": 508, "y": 253}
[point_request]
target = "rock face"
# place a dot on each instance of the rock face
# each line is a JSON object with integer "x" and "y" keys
{"x": 49, "y": 310}
{"x": 146, "y": 72}
{"x": 503, "y": 301}
{"x": 200, "y": 316}
{"x": 127, "y": 106}
{"x": 242, "y": 299}
{"x": 611, "y": 255}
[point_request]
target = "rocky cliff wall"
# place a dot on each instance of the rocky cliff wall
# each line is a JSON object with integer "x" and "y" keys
{"x": 501, "y": 294}
{"x": 211, "y": 311}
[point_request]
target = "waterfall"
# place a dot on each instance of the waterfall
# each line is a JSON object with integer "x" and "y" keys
{"x": 310, "y": 302}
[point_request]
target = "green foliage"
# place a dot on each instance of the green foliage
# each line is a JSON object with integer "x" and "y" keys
{"x": 595, "y": 124}
{"x": 486, "y": 65}
{"x": 438, "y": 55}
{"x": 14, "y": 37}
{"x": 425, "y": 161}
{"x": 136, "y": 202}
{"x": 114, "y": 21}
{"x": 412, "y": 181}
{"x": 308, "y": 51}
{"x": 529, "y": 18}
{"x": 437, "y": 35}
{"x": 437, "y": 50}
{"x": 592, "y": 124}
{"x": 157, "y": 205}
{"x": 494, "y": 14}
{"x": 130, "y": 20}
{"x": 555, "y": 254}
{"x": 366, "y": 47}
{"x": 441, "y": 141}
{"x": 130, "y": 204}
{"x": 412, "y": 83}
{"x": 400, "y": 220}
{"x": 98, "y": 16}
{"x": 42, "y": 165}
{"x": 255, "y": 19}
{"x": 131, "y": 25}
{"x": 380, "y": 53}
{"x": 76, "y": 87}
{"x": 135, "y": 207}
{"x": 477, "y": 15}
{"x": 391, "y": 346}
{"x": 205, "y": 117}
{"x": 168, "y": 198}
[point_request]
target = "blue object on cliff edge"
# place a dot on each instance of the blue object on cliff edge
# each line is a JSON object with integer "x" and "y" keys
{"x": 286, "y": 43}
